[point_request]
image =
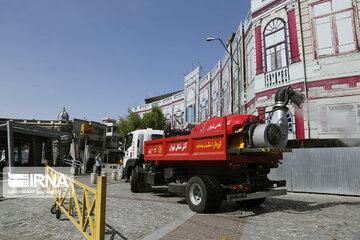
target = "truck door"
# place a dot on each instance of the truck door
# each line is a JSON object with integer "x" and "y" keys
{"x": 128, "y": 147}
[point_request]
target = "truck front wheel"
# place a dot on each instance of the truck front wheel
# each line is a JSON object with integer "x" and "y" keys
{"x": 134, "y": 181}
{"x": 199, "y": 193}
{"x": 137, "y": 181}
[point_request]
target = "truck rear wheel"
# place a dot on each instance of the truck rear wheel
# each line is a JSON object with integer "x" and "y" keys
{"x": 200, "y": 194}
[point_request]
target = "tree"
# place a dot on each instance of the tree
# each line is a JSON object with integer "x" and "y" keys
{"x": 154, "y": 119}
{"x": 130, "y": 123}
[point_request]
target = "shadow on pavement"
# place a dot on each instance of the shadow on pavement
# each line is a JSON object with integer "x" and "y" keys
{"x": 282, "y": 205}
{"x": 6, "y": 199}
{"x": 164, "y": 193}
{"x": 109, "y": 230}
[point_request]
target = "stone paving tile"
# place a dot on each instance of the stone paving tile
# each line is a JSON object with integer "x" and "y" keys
{"x": 135, "y": 216}
{"x": 128, "y": 215}
{"x": 294, "y": 216}
{"x": 306, "y": 216}
{"x": 203, "y": 226}
{"x": 31, "y": 219}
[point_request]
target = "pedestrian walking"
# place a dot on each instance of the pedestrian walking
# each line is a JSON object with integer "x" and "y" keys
{"x": 98, "y": 164}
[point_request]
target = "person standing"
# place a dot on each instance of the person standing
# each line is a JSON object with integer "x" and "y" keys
{"x": 90, "y": 163}
{"x": 98, "y": 164}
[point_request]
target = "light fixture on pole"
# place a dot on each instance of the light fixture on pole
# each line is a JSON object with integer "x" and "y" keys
{"x": 222, "y": 43}
{"x": 231, "y": 72}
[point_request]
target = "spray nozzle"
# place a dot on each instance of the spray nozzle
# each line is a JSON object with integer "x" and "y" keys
{"x": 297, "y": 98}
{"x": 286, "y": 94}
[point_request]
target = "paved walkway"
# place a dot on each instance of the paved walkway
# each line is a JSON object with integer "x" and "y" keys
{"x": 160, "y": 215}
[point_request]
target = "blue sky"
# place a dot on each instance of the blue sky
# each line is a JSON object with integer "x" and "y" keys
{"x": 99, "y": 58}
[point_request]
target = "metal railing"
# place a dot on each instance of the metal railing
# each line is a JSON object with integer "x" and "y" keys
{"x": 277, "y": 77}
{"x": 84, "y": 215}
{"x": 72, "y": 162}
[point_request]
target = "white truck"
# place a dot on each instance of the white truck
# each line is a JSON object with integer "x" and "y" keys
{"x": 134, "y": 149}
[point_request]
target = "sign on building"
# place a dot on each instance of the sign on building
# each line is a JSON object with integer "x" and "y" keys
{"x": 87, "y": 129}
{"x": 339, "y": 118}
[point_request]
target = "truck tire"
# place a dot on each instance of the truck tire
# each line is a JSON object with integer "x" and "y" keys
{"x": 200, "y": 194}
{"x": 251, "y": 203}
{"x": 134, "y": 181}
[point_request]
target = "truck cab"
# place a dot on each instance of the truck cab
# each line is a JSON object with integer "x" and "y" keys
{"x": 134, "y": 148}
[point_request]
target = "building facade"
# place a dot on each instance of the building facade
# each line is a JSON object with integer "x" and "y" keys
{"x": 311, "y": 45}
{"x": 112, "y": 152}
{"x": 105, "y": 138}
{"x": 330, "y": 31}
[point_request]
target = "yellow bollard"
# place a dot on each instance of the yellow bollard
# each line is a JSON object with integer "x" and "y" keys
{"x": 100, "y": 208}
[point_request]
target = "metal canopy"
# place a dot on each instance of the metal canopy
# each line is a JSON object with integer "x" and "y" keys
{"x": 13, "y": 127}
{"x": 34, "y": 130}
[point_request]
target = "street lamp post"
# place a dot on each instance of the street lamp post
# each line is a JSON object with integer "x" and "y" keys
{"x": 223, "y": 44}
{"x": 231, "y": 73}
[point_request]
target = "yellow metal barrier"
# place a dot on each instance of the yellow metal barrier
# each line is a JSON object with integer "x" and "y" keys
{"x": 85, "y": 213}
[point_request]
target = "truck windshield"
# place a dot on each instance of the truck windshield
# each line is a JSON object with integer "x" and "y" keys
{"x": 156, "y": 136}
{"x": 128, "y": 141}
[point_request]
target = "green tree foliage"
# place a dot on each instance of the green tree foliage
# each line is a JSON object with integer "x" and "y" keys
{"x": 154, "y": 119}
{"x": 130, "y": 123}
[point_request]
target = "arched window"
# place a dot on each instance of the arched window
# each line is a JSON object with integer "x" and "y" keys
{"x": 276, "y": 56}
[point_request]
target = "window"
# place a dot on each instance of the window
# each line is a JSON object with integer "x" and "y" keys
{"x": 128, "y": 141}
{"x": 215, "y": 98}
{"x": 275, "y": 45}
{"x": 168, "y": 119}
{"x": 250, "y": 60}
{"x": 226, "y": 90}
{"x": 204, "y": 109}
{"x": 226, "y": 97}
{"x": 156, "y": 136}
{"x": 190, "y": 115}
{"x": 175, "y": 121}
{"x": 178, "y": 119}
{"x": 25, "y": 150}
{"x": 333, "y": 27}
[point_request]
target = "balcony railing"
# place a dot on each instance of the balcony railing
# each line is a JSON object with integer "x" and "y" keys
{"x": 277, "y": 77}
